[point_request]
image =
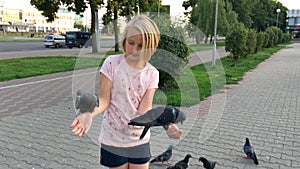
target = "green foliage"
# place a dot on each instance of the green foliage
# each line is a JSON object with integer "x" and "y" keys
{"x": 275, "y": 36}
{"x": 259, "y": 41}
{"x": 244, "y": 9}
{"x": 279, "y": 35}
{"x": 258, "y": 14}
{"x": 236, "y": 41}
{"x": 251, "y": 42}
{"x": 272, "y": 37}
{"x": 286, "y": 38}
{"x": 202, "y": 18}
{"x": 172, "y": 53}
{"x": 266, "y": 39}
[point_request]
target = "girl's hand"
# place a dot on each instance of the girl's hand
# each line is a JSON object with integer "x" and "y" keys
{"x": 82, "y": 124}
{"x": 174, "y": 132}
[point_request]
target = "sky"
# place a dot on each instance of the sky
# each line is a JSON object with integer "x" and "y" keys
{"x": 290, "y": 4}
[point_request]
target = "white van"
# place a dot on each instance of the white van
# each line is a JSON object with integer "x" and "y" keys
{"x": 54, "y": 40}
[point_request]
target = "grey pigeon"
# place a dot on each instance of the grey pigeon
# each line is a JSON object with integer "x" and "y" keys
{"x": 159, "y": 116}
{"x": 207, "y": 164}
{"x": 85, "y": 101}
{"x": 164, "y": 157}
{"x": 249, "y": 151}
{"x": 183, "y": 164}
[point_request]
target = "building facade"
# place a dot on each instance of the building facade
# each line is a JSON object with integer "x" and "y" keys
{"x": 293, "y": 22}
{"x": 32, "y": 20}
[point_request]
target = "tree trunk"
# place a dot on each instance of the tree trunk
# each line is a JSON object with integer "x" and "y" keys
{"x": 116, "y": 29}
{"x": 93, "y": 28}
{"x": 206, "y": 39}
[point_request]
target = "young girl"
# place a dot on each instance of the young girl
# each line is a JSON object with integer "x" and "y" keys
{"x": 127, "y": 86}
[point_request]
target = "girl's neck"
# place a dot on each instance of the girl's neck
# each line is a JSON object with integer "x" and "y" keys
{"x": 136, "y": 64}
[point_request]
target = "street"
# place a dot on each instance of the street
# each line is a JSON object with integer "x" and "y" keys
{"x": 32, "y": 46}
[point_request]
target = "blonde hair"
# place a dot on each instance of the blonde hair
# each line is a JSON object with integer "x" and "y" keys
{"x": 150, "y": 34}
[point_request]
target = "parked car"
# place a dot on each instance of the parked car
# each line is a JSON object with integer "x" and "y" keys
{"x": 78, "y": 39}
{"x": 54, "y": 40}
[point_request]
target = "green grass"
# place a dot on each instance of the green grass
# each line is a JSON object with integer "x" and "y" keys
{"x": 202, "y": 46}
{"x": 210, "y": 80}
{"x": 196, "y": 83}
{"x": 33, "y": 66}
{"x": 199, "y": 47}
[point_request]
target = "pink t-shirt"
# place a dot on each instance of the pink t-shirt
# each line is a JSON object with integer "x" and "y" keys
{"x": 128, "y": 88}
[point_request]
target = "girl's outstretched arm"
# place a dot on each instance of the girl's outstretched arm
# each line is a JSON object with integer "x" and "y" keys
{"x": 83, "y": 122}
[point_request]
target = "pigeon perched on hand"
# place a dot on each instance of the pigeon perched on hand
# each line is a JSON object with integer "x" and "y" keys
{"x": 165, "y": 156}
{"x": 207, "y": 164}
{"x": 183, "y": 164}
{"x": 85, "y": 101}
{"x": 159, "y": 116}
{"x": 249, "y": 151}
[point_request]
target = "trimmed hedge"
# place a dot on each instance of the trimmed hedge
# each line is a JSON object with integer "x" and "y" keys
{"x": 242, "y": 41}
{"x": 172, "y": 53}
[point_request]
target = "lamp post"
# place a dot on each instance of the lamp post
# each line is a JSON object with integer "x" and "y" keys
{"x": 158, "y": 6}
{"x": 213, "y": 63}
{"x": 278, "y": 11}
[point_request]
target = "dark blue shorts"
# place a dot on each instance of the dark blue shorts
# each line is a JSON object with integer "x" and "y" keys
{"x": 117, "y": 156}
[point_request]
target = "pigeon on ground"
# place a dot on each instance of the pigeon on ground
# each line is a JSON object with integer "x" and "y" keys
{"x": 183, "y": 164}
{"x": 249, "y": 151}
{"x": 85, "y": 101}
{"x": 159, "y": 116}
{"x": 207, "y": 164}
{"x": 164, "y": 157}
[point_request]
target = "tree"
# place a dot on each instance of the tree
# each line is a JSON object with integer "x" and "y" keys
{"x": 79, "y": 25}
{"x": 49, "y": 9}
{"x": 244, "y": 10}
{"x": 259, "y": 14}
{"x": 236, "y": 41}
{"x": 203, "y": 16}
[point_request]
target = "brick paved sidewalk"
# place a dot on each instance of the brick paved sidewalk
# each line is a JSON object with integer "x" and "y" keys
{"x": 36, "y": 114}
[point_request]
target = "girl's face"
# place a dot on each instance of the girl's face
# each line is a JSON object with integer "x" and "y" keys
{"x": 133, "y": 45}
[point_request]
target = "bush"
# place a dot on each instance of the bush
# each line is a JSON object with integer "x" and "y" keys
{"x": 172, "y": 53}
{"x": 279, "y": 34}
{"x": 272, "y": 37}
{"x": 251, "y": 41}
{"x": 286, "y": 38}
{"x": 266, "y": 39}
{"x": 236, "y": 41}
{"x": 260, "y": 39}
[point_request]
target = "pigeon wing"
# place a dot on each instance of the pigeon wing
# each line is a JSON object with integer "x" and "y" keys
{"x": 168, "y": 116}
{"x": 149, "y": 118}
{"x": 165, "y": 156}
{"x": 181, "y": 165}
{"x": 85, "y": 102}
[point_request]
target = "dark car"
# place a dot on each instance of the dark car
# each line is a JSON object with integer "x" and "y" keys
{"x": 78, "y": 39}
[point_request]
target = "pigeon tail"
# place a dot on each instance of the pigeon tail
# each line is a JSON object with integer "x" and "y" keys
{"x": 144, "y": 132}
{"x": 255, "y": 159}
{"x": 207, "y": 164}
